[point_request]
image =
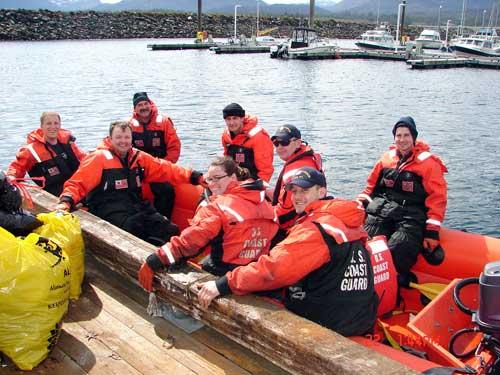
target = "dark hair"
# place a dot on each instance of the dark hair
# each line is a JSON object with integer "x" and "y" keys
{"x": 120, "y": 124}
{"x": 229, "y": 166}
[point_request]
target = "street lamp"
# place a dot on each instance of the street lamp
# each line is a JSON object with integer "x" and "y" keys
{"x": 235, "y": 13}
{"x": 439, "y": 15}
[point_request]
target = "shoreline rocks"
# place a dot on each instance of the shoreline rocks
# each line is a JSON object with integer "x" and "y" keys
{"x": 30, "y": 25}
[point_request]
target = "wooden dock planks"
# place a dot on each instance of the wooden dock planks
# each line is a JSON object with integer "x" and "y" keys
{"x": 293, "y": 343}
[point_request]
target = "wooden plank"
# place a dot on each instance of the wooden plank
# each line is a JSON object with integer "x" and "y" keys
{"x": 190, "y": 351}
{"x": 293, "y": 343}
{"x": 57, "y": 363}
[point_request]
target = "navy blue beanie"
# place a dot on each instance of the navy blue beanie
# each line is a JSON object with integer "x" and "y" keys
{"x": 406, "y": 122}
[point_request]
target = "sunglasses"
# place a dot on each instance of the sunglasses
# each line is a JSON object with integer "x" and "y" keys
{"x": 277, "y": 143}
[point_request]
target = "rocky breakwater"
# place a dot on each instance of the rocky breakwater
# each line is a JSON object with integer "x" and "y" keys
{"x": 48, "y": 25}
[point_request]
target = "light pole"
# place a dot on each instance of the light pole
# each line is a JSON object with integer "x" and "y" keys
{"x": 235, "y": 21}
{"x": 484, "y": 15}
{"x": 439, "y": 15}
{"x": 447, "y": 28}
{"x": 257, "y": 33}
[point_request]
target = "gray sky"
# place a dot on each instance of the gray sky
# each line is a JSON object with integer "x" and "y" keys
{"x": 267, "y": 1}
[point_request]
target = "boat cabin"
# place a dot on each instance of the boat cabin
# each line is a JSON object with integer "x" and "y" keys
{"x": 302, "y": 37}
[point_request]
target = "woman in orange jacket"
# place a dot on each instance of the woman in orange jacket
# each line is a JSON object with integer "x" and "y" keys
{"x": 238, "y": 224}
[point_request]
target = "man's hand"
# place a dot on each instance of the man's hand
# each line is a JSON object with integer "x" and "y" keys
{"x": 63, "y": 206}
{"x": 145, "y": 277}
{"x": 207, "y": 292}
{"x": 430, "y": 243}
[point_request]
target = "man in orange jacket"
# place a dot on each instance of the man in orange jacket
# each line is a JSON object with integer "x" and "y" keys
{"x": 296, "y": 154}
{"x": 405, "y": 197}
{"x": 247, "y": 143}
{"x": 111, "y": 178}
{"x": 51, "y": 153}
{"x": 323, "y": 263}
{"x": 154, "y": 133}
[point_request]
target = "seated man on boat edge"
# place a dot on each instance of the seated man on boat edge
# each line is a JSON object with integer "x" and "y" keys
{"x": 51, "y": 153}
{"x": 154, "y": 133}
{"x": 237, "y": 224}
{"x": 110, "y": 179}
{"x": 322, "y": 263}
{"x": 296, "y": 154}
{"x": 247, "y": 143}
{"x": 405, "y": 198}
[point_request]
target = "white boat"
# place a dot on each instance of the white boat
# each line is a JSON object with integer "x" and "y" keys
{"x": 378, "y": 38}
{"x": 485, "y": 42}
{"x": 430, "y": 39}
{"x": 265, "y": 40}
{"x": 305, "y": 44}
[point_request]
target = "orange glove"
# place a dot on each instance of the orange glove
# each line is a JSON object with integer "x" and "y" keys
{"x": 430, "y": 243}
{"x": 145, "y": 277}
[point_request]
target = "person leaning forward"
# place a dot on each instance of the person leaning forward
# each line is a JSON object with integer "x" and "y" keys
{"x": 405, "y": 198}
{"x": 238, "y": 224}
{"x": 296, "y": 154}
{"x": 322, "y": 263}
{"x": 155, "y": 134}
{"x": 247, "y": 143}
{"x": 111, "y": 178}
{"x": 51, "y": 153}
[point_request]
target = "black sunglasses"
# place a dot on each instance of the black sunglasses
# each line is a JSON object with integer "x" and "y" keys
{"x": 276, "y": 143}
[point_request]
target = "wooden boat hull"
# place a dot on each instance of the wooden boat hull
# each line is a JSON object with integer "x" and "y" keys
{"x": 291, "y": 342}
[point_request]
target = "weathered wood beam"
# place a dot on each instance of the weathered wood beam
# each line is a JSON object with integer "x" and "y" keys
{"x": 291, "y": 342}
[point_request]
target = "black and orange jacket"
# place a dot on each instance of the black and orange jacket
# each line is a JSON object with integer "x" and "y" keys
{"x": 104, "y": 176}
{"x": 239, "y": 225}
{"x": 251, "y": 149}
{"x": 158, "y": 138}
{"x": 417, "y": 180}
{"x": 323, "y": 265}
{"x": 38, "y": 159}
{"x": 282, "y": 200}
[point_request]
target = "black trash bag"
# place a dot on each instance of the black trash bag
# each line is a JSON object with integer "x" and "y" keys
{"x": 20, "y": 223}
{"x": 10, "y": 196}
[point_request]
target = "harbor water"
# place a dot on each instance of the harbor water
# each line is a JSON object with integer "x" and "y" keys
{"x": 344, "y": 108}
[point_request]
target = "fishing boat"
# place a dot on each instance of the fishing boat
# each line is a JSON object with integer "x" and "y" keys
{"x": 419, "y": 334}
{"x": 305, "y": 44}
{"x": 485, "y": 42}
{"x": 378, "y": 38}
{"x": 430, "y": 39}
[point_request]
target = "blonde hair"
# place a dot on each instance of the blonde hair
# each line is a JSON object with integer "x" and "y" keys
{"x": 119, "y": 124}
{"x": 47, "y": 114}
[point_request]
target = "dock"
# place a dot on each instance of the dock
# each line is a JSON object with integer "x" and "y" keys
{"x": 179, "y": 46}
{"x": 108, "y": 331}
{"x": 235, "y": 48}
{"x": 456, "y": 62}
{"x": 353, "y": 53}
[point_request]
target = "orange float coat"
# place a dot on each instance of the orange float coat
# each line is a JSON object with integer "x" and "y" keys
{"x": 158, "y": 137}
{"x": 39, "y": 159}
{"x": 103, "y": 165}
{"x": 239, "y": 225}
{"x": 417, "y": 181}
{"x": 324, "y": 266}
{"x": 251, "y": 149}
{"x": 282, "y": 200}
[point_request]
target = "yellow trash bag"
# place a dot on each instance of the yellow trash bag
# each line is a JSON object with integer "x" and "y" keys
{"x": 34, "y": 296}
{"x": 64, "y": 229}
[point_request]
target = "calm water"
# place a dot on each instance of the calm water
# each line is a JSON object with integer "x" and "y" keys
{"x": 345, "y": 108}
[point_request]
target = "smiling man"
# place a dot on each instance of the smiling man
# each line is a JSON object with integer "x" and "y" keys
{"x": 51, "y": 153}
{"x": 111, "y": 178}
{"x": 406, "y": 197}
{"x": 322, "y": 264}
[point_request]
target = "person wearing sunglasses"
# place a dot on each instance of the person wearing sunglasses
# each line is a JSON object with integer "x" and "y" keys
{"x": 322, "y": 264}
{"x": 296, "y": 154}
{"x": 238, "y": 224}
{"x": 247, "y": 143}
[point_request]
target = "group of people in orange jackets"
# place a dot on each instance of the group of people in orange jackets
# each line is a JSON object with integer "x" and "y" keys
{"x": 311, "y": 250}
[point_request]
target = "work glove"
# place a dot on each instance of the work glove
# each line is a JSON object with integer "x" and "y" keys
{"x": 154, "y": 262}
{"x": 430, "y": 243}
